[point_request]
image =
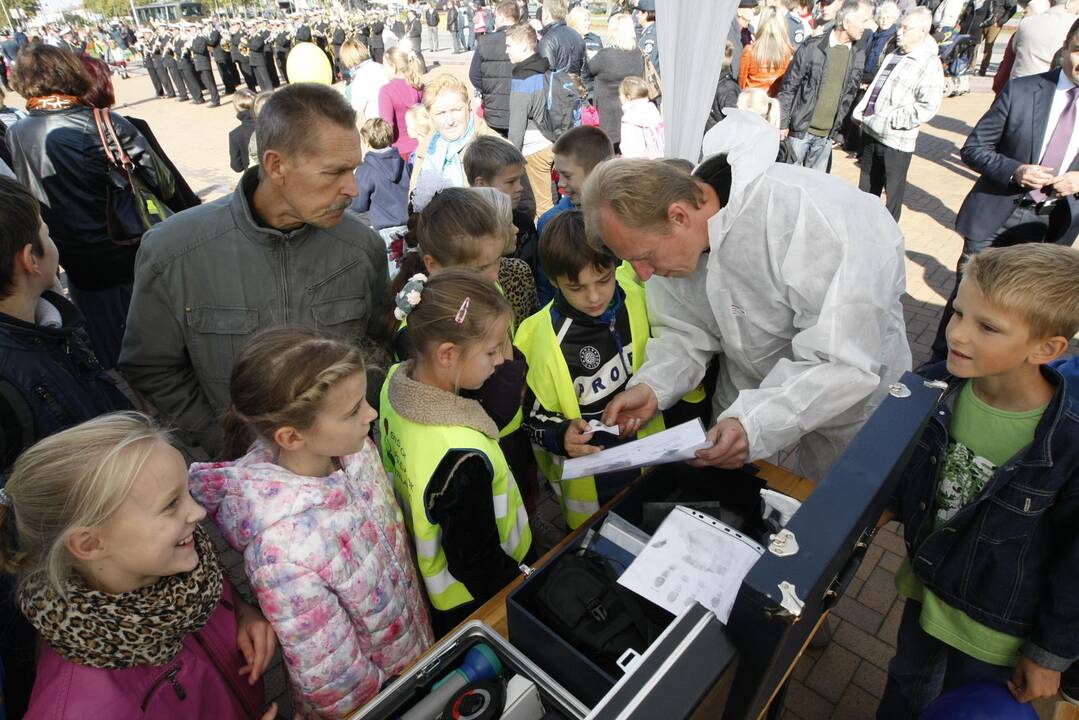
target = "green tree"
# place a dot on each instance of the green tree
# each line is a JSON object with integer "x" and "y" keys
{"x": 27, "y": 8}
{"x": 107, "y": 8}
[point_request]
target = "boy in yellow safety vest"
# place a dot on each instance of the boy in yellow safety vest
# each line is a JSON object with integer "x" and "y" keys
{"x": 582, "y": 349}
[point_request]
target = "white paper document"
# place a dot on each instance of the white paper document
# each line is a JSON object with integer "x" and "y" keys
{"x": 678, "y": 443}
{"x": 692, "y": 557}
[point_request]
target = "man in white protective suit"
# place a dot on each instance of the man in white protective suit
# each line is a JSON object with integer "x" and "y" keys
{"x": 791, "y": 277}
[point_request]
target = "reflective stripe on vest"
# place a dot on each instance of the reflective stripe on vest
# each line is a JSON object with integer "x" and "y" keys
{"x": 411, "y": 473}
{"x": 549, "y": 378}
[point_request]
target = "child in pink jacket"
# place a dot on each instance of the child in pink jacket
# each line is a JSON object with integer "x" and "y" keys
{"x": 309, "y": 505}
{"x": 138, "y": 619}
{"x": 642, "y": 124}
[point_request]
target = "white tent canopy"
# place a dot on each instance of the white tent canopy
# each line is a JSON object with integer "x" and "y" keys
{"x": 692, "y": 35}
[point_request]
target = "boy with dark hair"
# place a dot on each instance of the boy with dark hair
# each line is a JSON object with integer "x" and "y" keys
{"x": 582, "y": 349}
{"x": 490, "y": 161}
{"x": 49, "y": 377}
{"x": 990, "y": 500}
{"x": 382, "y": 178}
{"x": 49, "y": 381}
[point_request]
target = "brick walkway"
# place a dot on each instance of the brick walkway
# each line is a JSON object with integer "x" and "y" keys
{"x": 845, "y": 679}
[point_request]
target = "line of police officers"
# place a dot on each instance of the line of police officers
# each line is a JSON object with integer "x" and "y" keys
{"x": 179, "y": 58}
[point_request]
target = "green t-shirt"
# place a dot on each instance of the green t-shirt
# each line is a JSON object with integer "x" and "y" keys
{"x": 983, "y": 438}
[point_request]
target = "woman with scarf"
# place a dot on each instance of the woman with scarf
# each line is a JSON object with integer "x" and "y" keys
{"x": 58, "y": 154}
{"x": 455, "y": 126}
{"x": 124, "y": 587}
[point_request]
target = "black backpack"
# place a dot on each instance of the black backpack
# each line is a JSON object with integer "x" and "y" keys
{"x": 564, "y": 102}
{"x": 583, "y": 602}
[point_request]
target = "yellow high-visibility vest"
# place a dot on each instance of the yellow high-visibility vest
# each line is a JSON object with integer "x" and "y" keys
{"x": 412, "y": 452}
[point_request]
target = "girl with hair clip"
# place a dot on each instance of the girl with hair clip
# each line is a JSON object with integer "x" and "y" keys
{"x": 461, "y": 500}
{"x": 404, "y": 89}
{"x": 464, "y": 227}
{"x": 472, "y": 228}
{"x": 138, "y": 619}
{"x": 460, "y": 228}
{"x": 311, "y": 509}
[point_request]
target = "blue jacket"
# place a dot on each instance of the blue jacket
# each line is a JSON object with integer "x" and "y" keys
{"x": 1070, "y": 370}
{"x": 49, "y": 379}
{"x": 545, "y": 290}
{"x": 1009, "y": 559}
{"x": 382, "y": 182}
{"x": 881, "y": 42}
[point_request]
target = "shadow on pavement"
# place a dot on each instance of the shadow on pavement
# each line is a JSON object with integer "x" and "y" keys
{"x": 938, "y": 276}
{"x": 951, "y": 124}
{"x": 919, "y": 200}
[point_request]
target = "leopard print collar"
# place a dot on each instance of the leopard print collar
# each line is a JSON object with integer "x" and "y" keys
{"x": 141, "y": 627}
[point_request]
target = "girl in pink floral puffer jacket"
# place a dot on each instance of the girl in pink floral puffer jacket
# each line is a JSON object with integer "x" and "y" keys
{"x": 324, "y": 544}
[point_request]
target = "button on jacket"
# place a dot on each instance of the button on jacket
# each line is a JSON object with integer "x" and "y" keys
{"x": 207, "y": 279}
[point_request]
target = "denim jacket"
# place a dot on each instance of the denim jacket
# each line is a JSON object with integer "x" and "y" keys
{"x": 1010, "y": 558}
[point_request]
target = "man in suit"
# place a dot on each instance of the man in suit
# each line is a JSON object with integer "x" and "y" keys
{"x": 257, "y": 58}
{"x": 147, "y": 49}
{"x": 453, "y": 26}
{"x": 169, "y": 54}
{"x": 153, "y": 42}
{"x": 1025, "y": 147}
{"x": 282, "y": 44}
{"x": 187, "y": 66}
{"x": 200, "y": 56}
{"x": 240, "y": 56}
{"x": 229, "y": 77}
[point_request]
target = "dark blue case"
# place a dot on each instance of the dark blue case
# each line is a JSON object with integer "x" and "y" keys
{"x": 831, "y": 531}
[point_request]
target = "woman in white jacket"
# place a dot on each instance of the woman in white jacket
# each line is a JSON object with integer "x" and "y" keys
{"x": 365, "y": 78}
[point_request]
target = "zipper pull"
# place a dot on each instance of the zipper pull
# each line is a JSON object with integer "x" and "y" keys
{"x": 526, "y": 570}
{"x": 176, "y": 686}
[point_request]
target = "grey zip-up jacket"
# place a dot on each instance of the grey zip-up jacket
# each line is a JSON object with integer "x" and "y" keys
{"x": 208, "y": 278}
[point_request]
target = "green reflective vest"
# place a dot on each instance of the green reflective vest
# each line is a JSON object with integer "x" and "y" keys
{"x": 549, "y": 378}
{"x": 412, "y": 452}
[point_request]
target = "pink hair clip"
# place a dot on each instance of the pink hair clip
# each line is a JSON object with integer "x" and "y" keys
{"x": 462, "y": 313}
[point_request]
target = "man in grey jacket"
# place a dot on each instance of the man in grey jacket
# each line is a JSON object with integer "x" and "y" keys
{"x": 904, "y": 95}
{"x": 283, "y": 248}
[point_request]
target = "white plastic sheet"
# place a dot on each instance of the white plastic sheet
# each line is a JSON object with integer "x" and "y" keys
{"x": 692, "y": 35}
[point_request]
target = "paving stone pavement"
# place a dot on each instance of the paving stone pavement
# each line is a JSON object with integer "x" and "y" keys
{"x": 846, "y": 678}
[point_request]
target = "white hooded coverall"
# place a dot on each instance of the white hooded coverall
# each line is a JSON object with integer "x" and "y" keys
{"x": 799, "y": 296}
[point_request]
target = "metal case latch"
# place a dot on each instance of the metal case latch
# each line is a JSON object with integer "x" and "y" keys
{"x": 783, "y": 543}
{"x": 899, "y": 390}
{"x": 789, "y": 604}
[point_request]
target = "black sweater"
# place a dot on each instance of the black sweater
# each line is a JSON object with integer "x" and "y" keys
{"x": 240, "y": 140}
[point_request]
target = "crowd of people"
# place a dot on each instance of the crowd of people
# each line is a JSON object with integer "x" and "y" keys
{"x": 368, "y": 362}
